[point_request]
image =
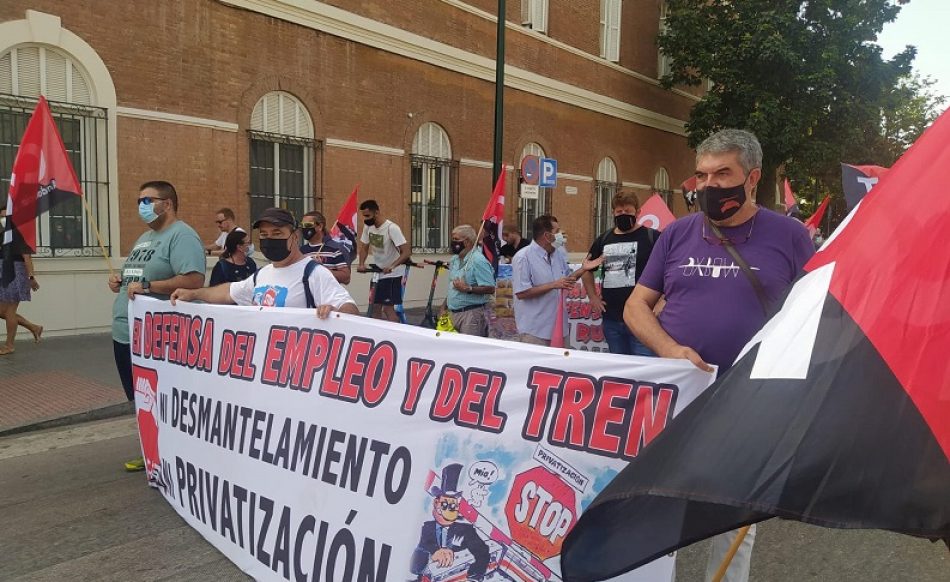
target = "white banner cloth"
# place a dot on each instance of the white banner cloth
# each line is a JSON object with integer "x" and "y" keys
{"x": 354, "y": 449}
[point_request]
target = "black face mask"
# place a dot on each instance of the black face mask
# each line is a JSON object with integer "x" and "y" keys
{"x": 625, "y": 222}
{"x": 721, "y": 203}
{"x": 308, "y": 233}
{"x": 369, "y": 221}
{"x": 457, "y": 247}
{"x": 275, "y": 249}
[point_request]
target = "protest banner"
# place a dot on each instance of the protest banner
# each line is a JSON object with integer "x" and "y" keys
{"x": 585, "y": 331}
{"x": 354, "y": 449}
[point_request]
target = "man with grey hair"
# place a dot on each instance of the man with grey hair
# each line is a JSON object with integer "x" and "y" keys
{"x": 721, "y": 271}
{"x": 471, "y": 284}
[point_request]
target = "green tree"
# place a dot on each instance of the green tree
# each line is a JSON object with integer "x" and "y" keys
{"x": 806, "y": 76}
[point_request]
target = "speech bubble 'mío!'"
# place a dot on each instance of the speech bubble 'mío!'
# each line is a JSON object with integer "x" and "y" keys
{"x": 483, "y": 472}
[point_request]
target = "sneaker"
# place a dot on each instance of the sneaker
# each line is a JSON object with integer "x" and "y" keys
{"x": 135, "y": 465}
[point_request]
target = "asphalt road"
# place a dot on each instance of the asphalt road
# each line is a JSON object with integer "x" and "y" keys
{"x": 69, "y": 512}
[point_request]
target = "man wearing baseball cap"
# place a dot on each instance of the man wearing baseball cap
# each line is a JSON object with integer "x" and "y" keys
{"x": 291, "y": 280}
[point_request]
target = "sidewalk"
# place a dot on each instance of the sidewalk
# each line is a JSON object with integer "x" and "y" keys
{"x": 65, "y": 380}
{"x": 59, "y": 381}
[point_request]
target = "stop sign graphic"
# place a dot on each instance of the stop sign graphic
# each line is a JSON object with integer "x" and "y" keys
{"x": 541, "y": 509}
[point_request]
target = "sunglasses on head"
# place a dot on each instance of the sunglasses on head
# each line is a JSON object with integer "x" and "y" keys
{"x": 149, "y": 199}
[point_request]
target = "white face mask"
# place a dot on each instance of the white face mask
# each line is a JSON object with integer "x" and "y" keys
{"x": 559, "y": 240}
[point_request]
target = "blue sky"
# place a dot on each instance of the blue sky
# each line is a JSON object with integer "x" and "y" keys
{"x": 923, "y": 23}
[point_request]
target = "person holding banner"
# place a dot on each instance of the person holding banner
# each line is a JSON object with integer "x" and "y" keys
{"x": 321, "y": 247}
{"x": 625, "y": 248}
{"x": 291, "y": 280}
{"x": 168, "y": 256}
{"x": 539, "y": 272}
{"x": 472, "y": 284}
{"x": 722, "y": 271}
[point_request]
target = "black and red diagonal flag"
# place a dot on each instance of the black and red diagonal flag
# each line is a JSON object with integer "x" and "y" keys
{"x": 837, "y": 413}
{"x": 42, "y": 177}
{"x": 493, "y": 221}
{"x": 857, "y": 181}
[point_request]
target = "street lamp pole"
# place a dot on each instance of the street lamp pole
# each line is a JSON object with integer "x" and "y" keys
{"x": 499, "y": 92}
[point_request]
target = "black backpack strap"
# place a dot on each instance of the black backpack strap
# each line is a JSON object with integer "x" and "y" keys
{"x": 742, "y": 264}
{"x": 255, "y": 277}
{"x": 307, "y": 271}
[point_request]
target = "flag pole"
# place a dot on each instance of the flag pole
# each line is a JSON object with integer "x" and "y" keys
{"x": 730, "y": 554}
{"x": 95, "y": 229}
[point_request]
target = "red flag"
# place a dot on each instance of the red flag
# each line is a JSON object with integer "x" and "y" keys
{"x": 814, "y": 222}
{"x": 655, "y": 213}
{"x": 493, "y": 221}
{"x": 557, "y": 334}
{"x": 837, "y": 413}
{"x": 42, "y": 177}
{"x": 791, "y": 204}
{"x": 344, "y": 228}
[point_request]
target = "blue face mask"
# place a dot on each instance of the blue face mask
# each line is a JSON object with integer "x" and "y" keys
{"x": 147, "y": 212}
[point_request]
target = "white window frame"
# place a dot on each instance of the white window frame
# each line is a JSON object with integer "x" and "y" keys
{"x": 432, "y": 156}
{"x": 664, "y": 62}
{"x": 534, "y": 15}
{"x": 71, "y": 97}
{"x": 610, "y": 13}
{"x": 280, "y": 118}
{"x": 661, "y": 185}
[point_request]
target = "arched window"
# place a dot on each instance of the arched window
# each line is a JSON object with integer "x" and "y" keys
{"x": 661, "y": 185}
{"x": 605, "y": 187}
{"x": 531, "y": 208}
{"x": 430, "y": 203}
{"x": 26, "y": 72}
{"x": 281, "y": 155}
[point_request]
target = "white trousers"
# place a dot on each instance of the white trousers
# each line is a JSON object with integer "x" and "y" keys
{"x": 739, "y": 567}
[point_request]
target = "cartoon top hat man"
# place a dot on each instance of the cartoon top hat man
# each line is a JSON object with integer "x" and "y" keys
{"x": 448, "y": 534}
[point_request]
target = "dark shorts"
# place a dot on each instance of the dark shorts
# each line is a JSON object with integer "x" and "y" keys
{"x": 388, "y": 291}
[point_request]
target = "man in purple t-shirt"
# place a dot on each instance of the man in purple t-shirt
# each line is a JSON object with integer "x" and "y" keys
{"x": 712, "y": 308}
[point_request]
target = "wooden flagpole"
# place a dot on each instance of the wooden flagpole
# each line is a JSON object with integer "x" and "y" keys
{"x": 95, "y": 229}
{"x": 730, "y": 554}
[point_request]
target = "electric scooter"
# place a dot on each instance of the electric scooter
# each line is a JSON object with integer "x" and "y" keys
{"x": 400, "y": 310}
{"x": 428, "y": 320}
{"x": 372, "y": 287}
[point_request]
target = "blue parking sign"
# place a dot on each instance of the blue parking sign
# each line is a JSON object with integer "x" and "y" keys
{"x": 548, "y": 177}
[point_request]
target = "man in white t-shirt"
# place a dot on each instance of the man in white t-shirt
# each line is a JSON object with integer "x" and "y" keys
{"x": 226, "y": 222}
{"x": 291, "y": 280}
{"x": 390, "y": 249}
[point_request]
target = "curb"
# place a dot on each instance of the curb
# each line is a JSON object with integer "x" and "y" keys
{"x": 111, "y": 411}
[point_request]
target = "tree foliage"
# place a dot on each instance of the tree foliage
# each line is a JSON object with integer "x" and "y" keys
{"x": 806, "y": 76}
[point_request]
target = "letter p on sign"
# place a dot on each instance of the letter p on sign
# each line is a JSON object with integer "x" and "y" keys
{"x": 548, "y": 177}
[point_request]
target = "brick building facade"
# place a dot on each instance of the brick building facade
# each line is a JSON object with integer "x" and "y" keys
{"x": 250, "y": 103}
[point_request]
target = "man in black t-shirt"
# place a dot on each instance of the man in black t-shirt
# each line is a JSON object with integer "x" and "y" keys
{"x": 514, "y": 242}
{"x": 625, "y": 250}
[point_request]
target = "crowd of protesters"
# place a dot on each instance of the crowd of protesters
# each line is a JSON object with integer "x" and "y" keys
{"x": 699, "y": 291}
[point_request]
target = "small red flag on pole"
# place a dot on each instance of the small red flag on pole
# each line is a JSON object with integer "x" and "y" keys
{"x": 42, "y": 177}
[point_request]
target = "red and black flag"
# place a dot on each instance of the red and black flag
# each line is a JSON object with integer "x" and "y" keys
{"x": 689, "y": 188}
{"x": 493, "y": 221}
{"x": 42, "y": 177}
{"x": 837, "y": 413}
{"x": 791, "y": 203}
{"x": 857, "y": 181}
